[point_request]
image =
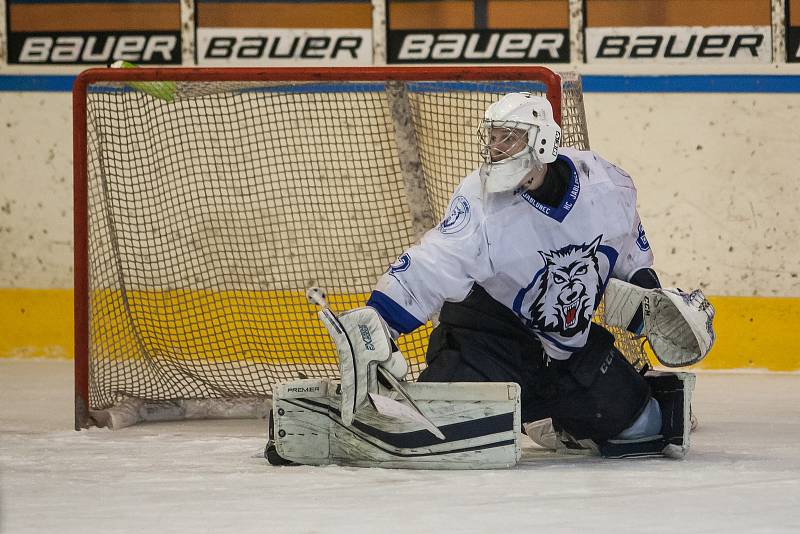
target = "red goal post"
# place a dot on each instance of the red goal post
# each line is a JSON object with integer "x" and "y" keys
{"x": 206, "y": 200}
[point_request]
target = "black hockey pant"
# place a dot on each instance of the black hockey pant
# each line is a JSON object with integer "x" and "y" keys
{"x": 594, "y": 394}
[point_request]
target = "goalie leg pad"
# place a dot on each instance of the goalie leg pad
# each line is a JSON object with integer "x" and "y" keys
{"x": 481, "y": 424}
{"x": 673, "y": 392}
{"x": 599, "y": 392}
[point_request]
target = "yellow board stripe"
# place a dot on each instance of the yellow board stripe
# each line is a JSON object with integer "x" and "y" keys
{"x": 36, "y": 323}
{"x": 755, "y": 333}
{"x": 751, "y": 331}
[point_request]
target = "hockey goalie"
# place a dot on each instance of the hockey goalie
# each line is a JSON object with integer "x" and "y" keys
{"x": 530, "y": 243}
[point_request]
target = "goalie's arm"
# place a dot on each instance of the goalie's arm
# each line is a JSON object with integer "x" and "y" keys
{"x": 440, "y": 268}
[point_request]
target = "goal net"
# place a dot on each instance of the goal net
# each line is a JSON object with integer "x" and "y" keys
{"x": 208, "y": 200}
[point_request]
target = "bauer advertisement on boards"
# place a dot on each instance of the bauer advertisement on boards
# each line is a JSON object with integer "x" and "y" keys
{"x": 678, "y": 31}
{"x": 478, "y": 31}
{"x": 42, "y": 32}
{"x": 270, "y": 33}
{"x": 793, "y": 31}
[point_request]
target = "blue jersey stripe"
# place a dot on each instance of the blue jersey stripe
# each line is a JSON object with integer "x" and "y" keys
{"x": 395, "y": 315}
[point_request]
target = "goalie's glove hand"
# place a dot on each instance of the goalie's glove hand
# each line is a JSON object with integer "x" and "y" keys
{"x": 678, "y": 325}
{"x": 363, "y": 343}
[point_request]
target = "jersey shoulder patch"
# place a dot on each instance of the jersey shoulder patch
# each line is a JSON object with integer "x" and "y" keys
{"x": 462, "y": 212}
{"x": 458, "y": 215}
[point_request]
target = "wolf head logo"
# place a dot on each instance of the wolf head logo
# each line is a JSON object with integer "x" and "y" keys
{"x": 569, "y": 289}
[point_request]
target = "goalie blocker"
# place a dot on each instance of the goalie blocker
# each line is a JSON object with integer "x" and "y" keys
{"x": 480, "y": 422}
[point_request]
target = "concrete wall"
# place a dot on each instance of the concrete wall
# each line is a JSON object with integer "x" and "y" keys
{"x": 719, "y": 196}
{"x": 718, "y": 178}
{"x": 718, "y": 184}
{"x": 36, "y": 190}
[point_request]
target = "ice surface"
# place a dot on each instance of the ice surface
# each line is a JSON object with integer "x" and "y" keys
{"x": 742, "y": 475}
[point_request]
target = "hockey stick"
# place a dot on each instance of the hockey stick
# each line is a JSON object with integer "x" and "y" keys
{"x": 316, "y": 296}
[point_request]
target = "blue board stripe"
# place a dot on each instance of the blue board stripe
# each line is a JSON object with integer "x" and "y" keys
{"x": 770, "y": 83}
{"x": 40, "y": 83}
{"x": 733, "y": 83}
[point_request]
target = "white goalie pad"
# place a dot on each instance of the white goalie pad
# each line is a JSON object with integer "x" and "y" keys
{"x": 481, "y": 424}
{"x": 673, "y": 392}
{"x": 678, "y": 325}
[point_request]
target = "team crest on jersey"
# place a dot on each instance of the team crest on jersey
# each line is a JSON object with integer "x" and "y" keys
{"x": 564, "y": 294}
{"x": 457, "y": 216}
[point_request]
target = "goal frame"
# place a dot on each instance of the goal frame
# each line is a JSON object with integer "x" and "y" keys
{"x": 284, "y": 74}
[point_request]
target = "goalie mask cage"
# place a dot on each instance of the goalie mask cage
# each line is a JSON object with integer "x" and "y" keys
{"x": 208, "y": 200}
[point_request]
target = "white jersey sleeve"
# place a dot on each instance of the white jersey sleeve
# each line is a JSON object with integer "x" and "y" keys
{"x": 635, "y": 252}
{"x": 442, "y": 267}
{"x": 636, "y": 255}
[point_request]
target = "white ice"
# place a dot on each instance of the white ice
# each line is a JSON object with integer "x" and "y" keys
{"x": 742, "y": 475}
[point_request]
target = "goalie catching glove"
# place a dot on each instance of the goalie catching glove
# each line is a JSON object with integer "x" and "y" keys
{"x": 678, "y": 325}
{"x": 363, "y": 342}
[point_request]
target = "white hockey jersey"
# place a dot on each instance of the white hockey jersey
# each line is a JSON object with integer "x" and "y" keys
{"x": 548, "y": 264}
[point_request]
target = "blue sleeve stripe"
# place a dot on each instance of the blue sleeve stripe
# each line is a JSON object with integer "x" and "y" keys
{"x": 395, "y": 315}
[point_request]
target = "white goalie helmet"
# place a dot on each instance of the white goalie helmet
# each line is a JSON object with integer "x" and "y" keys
{"x": 517, "y": 136}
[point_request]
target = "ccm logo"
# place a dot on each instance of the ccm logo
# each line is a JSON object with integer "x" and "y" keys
{"x": 474, "y": 46}
{"x": 99, "y": 49}
{"x": 607, "y": 363}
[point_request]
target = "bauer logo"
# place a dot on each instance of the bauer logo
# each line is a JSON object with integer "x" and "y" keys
{"x": 793, "y": 45}
{"x": 479, "y": 46}
{"x": 94, "y": 48}
{"x": 478, "y": 31}
{"x": 284, "y": 33}
{"x": 696, "y": 31}
{"x": 260, "y": 46}
{"x": 793, "y": 31}
{"x": 718, "y": 44}
{"x": 89, "y": 32}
